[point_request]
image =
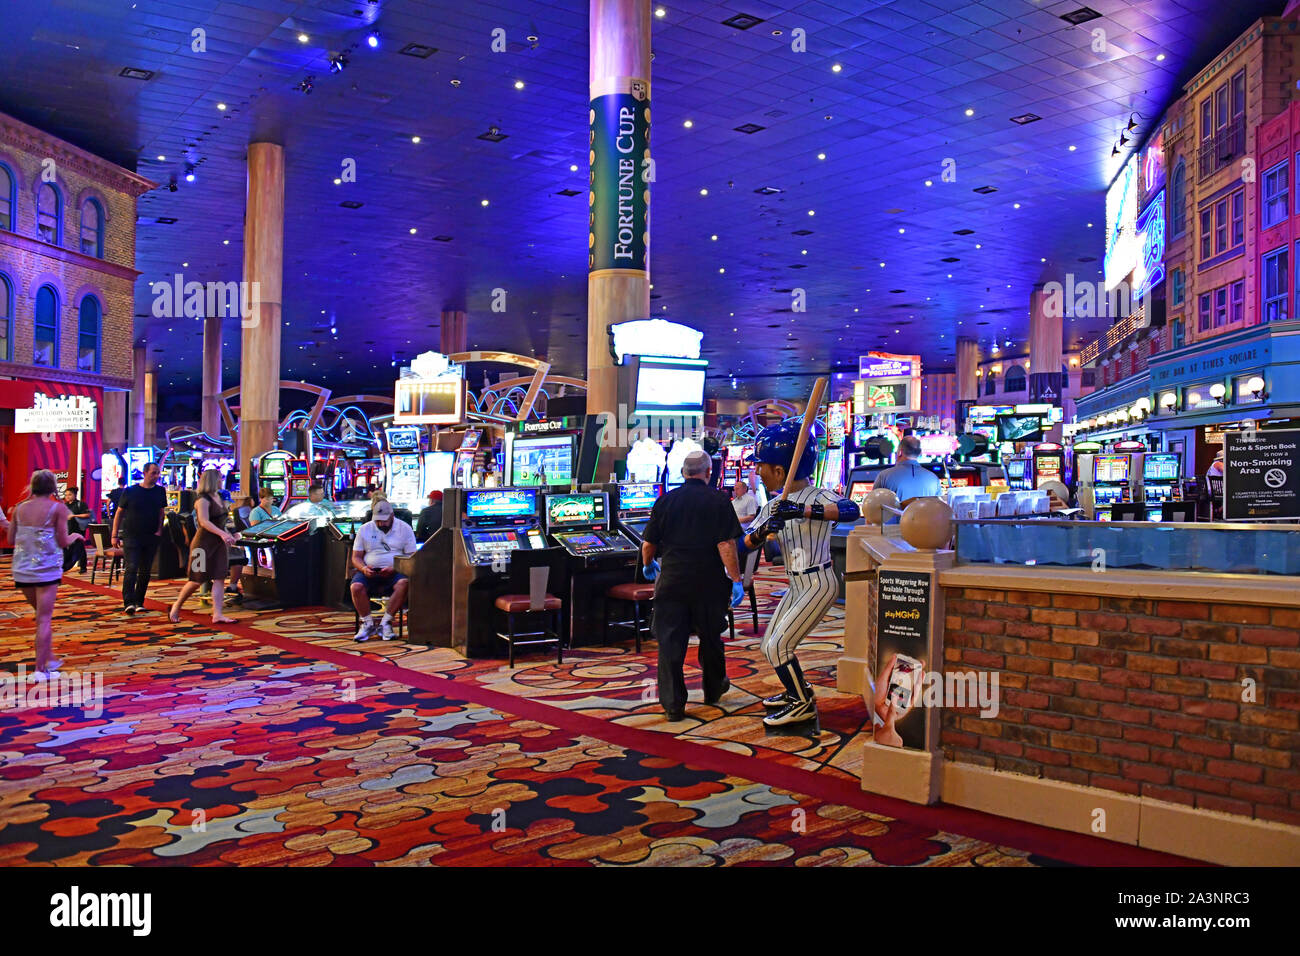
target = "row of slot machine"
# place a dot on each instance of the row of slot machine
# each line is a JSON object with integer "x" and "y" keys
{"x": 588, "y": 540}
{"x": 1126, "y": 482}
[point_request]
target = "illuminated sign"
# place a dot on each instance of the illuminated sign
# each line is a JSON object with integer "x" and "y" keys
{"x": 71, "y": 413}
{"x": 885, "y": 365}
{"x": 430, "y": 392}
{"x": 1122, "y": 249}
{"x": 837, "y": 414}
{"x": 1150, "y": 270}
{"x": 657, "y": 337}
{"x": 1153, "y": 167}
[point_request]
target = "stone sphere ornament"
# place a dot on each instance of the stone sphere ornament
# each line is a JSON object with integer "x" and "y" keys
{"x": 875, "y": 501}
{"x": 927, "y": 524}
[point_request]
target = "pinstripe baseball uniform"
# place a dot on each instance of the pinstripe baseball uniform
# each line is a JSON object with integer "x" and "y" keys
{"x": 814, "y": 585}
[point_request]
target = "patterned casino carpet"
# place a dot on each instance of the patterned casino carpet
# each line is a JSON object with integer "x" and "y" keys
{"x": 278, "y": 740}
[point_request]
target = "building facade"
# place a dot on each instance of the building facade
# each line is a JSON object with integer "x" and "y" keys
{"x": 67, "y": 278}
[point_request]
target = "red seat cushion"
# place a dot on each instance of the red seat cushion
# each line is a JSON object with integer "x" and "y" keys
{"x": 516, "y": 603}
{"x": 632, "y": 591}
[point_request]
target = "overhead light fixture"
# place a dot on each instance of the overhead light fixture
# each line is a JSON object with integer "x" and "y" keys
{"x": 415, "y": 139}
{"x": 1160, "y": 57}
{"x": 303, "y": 38}
{"x": 1025, "y": 119}
{"x": 221, "y": 106}
{"x": 338, "y": 61}
{"x": 970, "y": 112}
{"x": 660, "y": 12}
{"x": 1168, "y": 400}
{"x": 836, "y": 68}
{"x": 493, "y": 135}
{"x": 1082, "y": 15}
{"x": 189, "y": 172}
{"x": 1132, "y": 123}
{"x": 519, "y": 84}
{"x": 742, "y": 21}
{"x": 1114, "y": 151}
{"x": 135, "y": 73}
{"x": 372, "y": 40}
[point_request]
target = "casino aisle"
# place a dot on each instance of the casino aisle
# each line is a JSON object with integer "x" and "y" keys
{"x": 277, "y": 740}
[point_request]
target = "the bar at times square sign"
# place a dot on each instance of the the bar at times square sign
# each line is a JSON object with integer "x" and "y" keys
{"x": 67, "y": 413}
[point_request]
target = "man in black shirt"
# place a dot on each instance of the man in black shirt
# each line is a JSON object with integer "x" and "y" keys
{"x": 430, "y": 519}
{"x": 695, "y": 529}
{"x": 75, "y": 553}
{"x": 137, "y": 525}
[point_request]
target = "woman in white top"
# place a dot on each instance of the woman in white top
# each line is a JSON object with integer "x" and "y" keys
{"x": 38, "y": 532}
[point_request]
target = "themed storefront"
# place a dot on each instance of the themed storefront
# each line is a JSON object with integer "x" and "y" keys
{"x": 54, "y": 425}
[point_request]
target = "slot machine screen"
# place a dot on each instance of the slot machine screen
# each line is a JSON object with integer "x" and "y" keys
{"x": 585, "y": 540}
{"x": 542, "y": 461}
{"x": 1016, "y": 468}
{"x": 1110, "y": 468}
{"x": 402, "y": 439}
{"x": 1160, "y": 468}
{"x": 500, "y": 503}
{"x": 637, "y": 497}
{"x": 1047, "y": 467}
{"x": 858, "y": 491}
{"x": 271, "y": 468}
{"x": 566, "y": 511}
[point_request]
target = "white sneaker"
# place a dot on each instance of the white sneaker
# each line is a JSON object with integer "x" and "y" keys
{"x": 367, "y": 630}
{"x": 386, "y": 628}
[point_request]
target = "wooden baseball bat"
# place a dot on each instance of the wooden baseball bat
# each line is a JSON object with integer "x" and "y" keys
{"x": 809, "y": 416}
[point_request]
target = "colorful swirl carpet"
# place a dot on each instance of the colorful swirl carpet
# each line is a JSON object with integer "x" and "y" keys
{"x": 277, "y": 740}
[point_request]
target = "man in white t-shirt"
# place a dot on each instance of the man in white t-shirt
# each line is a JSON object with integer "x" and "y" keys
{"x": 378, "y": 543}
{"x": 744, "y": 502}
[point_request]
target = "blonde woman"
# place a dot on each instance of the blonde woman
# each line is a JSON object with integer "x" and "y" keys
{"x": 39, "y": 533}
{"x": 210, "y": 550}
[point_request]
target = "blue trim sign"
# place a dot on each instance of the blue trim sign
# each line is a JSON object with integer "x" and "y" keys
{"x": 1212, "y": 364}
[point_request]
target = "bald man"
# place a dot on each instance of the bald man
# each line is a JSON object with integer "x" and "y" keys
{"x": 694, "y": 529}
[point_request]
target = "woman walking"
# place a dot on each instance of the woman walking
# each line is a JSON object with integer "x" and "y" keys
{"x": 38, "y": 533}
{"x": 210, "y": 550}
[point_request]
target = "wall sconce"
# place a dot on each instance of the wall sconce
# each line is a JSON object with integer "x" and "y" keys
{"x": 1168, "y": 400}
{"x": 1256, "y": 387}
{"x": 1136, "y": 412}
{"x": 1122, "y": 415}
{"x": 1193, "y": 399}
{"x": 1074, "y": 363}
{"x": 1143, "y": 403}
{"x": 1217, "y": 391}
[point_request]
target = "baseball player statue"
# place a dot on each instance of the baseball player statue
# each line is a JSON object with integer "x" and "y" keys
{"x": 802, "y": 523}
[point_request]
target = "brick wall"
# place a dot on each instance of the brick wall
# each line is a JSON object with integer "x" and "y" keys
{"x": 28, "y": 261}
{"x": 1138, "y": 696}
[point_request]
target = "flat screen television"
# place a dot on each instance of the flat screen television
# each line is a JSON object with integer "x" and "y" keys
{"x": 544, "y": 460}
{"x": 670, "y": 388}
{"x": 1020, "y": 428}
{"x": 500, "y": 502}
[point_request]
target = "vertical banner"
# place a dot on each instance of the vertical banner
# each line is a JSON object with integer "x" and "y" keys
{"x": 1045, "y": 387}
{"x": 619, "y": 201}
{"x": 902, "y": 645}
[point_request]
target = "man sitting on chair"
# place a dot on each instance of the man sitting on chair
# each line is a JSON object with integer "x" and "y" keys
{"x": 378, "y": 543}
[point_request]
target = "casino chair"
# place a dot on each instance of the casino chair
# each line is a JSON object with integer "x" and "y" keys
{"x": 640, "y": 594}
{"x": 105, "y": 555}
{"x": 747, "y": 581}
{"x": 531, "y": 574}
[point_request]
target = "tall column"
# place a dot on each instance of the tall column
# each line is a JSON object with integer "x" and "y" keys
{"x": 968, "y": 360}
{"x": 618, "y": 277}
{"x": 139, "y": 357}
{"x": 210, "y": 416}
{"x": 150, "y": 408}
{"x": 1045, "y": 333}
{"x": 453, "y": 333}
{"x": 259, "y": 365}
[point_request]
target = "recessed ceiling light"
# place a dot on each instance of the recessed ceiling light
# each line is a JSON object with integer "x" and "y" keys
{"x": 714, "y": 238}
{"x": 573, "y": 167}
{"x": 162, "y": 159}
{"x": 688, "y": 124}
{"x": 929, "y": 182}
{"x": 225, "y": 242}
{"x": 415, "y": 139}
{"x": 660, "y": 12}
{"x": 836, "y": 68}
{"x": 519, "y": 84}
{"x": 338, "y": 182}
{"x": 900, "y": 229}
{"x": 821, "y": 155}
{"x": 970, "y": 112}
{"x": 1015, "y": 205}
{"x": 704, "y": 192}
{"x": 482, "y": 202}
{"x": 412, "y": 230}
{"x": 221, "y": 106}
{"x": 812, "y": 212}
{"x": 1160, "y": 57}
{"x": 303, "y": 38}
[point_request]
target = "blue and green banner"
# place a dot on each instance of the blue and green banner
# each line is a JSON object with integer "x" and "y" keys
{"x": 620, "y": 189}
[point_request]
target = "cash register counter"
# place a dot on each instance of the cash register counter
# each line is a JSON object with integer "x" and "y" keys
{"x": 1158, "y": 708}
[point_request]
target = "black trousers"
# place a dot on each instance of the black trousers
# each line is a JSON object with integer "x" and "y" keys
{"x": 672, "y": 625}
{"x": 137, "y": 565}
{"x": 74, "y": 554}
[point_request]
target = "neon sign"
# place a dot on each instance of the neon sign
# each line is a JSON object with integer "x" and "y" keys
{"x": 1151, "y": 232}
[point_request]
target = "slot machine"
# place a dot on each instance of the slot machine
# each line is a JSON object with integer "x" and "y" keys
{"x": 271, "y": 470}
{"x": 633, "y": 502}
{"x": 1161, "y": 482}
{"x": 297, "y": 482}
{"x": 404, "y": 467}
{"x": 599, "y": 556}
{"x": 1114, "y": 479}
{"x": 286, "y": 568}
{"x": 1017, "y": 469}
{"x": 1049, "y": 463}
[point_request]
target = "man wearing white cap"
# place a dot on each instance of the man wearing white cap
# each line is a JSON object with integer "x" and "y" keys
{"x": 378, "y": 543}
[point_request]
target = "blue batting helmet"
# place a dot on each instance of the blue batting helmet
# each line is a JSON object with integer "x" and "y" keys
{"x": 776, "y": 447}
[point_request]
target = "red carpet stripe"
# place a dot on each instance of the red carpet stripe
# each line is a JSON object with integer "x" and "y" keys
{"x": 1058, "y": 844}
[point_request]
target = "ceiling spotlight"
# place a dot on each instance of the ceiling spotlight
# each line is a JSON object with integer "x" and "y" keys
{"x": 688, "y": 124}
{"x": 1160, "y": 57}
{"x": 338, "y": 182}
{"x": 660, "y": 12}
{"x": 1114, "y": 151}
{"x": 455, "y": 82}
{"x": 836, "y": 68}
{"x": 415, "y": 139}
{"x": 303, "y": 38}
{"x": 189, "y": 173}
{"x": 221, "y": 106}
{"x": 519, "y": 84}
{"x": 162, "y": 159}
{"x": 225, "y": 242}
{"x": 1132, "y": 123}
{"x": 1073, "y": 148}
{"x": 372, "y": 40}
{"x": 821, "y": 155}
{"x": 1123, "y": 139}
{"x": 970, "y": 112}
{"x": 573, "y": 167}
{"x": 483, "y": 202}
{"x": 337, "y": 62}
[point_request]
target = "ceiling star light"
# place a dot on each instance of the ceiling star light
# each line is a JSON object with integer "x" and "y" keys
{"x": 970, "y": 112}
{"x": 519, "y": 84}
{"x": 836, "y": 68}
{"x": 303, "y": 38}
{"x": 688, "y": 124}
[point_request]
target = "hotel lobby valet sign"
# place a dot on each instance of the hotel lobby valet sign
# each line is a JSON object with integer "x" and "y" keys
{"x": 1261, "y": 475}
{"x": 621, "y": 174}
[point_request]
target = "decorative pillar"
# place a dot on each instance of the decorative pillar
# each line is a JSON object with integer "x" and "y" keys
{"x": 1045, "y": 333}
{"x": 618, "y": 277}
{"x": 210, "y": 415}
{"x": 150, "y": 408}
{"x": 453, "y": 333}
{"x": 968, "y": 360}
{"x": 259, "y": 366}
{"x": 139, "y": 356}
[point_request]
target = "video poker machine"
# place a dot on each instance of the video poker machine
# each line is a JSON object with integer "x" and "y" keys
{"x": 285, "y": 571}
{"x": 1019, "y": 470}
{"x": 633, "y": 502}
{"x": 600, "y": 556}
{"x": 1049, "y": 463}
{"x": 463, "y": 566}
{"x": 1161, "y": 483}
{"x": 1109, "y": 479}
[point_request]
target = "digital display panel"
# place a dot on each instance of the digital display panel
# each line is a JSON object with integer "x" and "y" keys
{"x": 1110, "y": 467}
{"x": 938, "y": 446}
{"x": 500, "y": 503}
{"x": 402, "y": 439}
{"x": 676, "y": 387}
{"x": 1160, "y": 468}
{"x": 542, "y": 461}
{"x": 1019, "y": 428}
{"x": 420, "y": 402}
{"x": 565, "y": 511}
{"x": 1016, "y": 467}
{"x": 858, "y": 491}
{"x": 584, "y": 540}
{"x": 271, "y": 468}
{"x": 638, "y": 497}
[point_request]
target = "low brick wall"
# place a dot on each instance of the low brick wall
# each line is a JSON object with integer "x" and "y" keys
{"x": 1142, "y": 697}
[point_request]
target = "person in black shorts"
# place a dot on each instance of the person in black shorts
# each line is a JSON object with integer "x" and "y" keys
{"x": 379, "y": 542}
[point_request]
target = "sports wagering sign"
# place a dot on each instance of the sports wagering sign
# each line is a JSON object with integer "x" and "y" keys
{"x": 619, "y": 201}
{"x": 1261, "y": 475}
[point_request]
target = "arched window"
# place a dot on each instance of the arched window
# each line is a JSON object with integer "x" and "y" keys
{"x": 990, "y": 384}
{"x": 8, "y": 200}
{"x": 88, "y": 335}
{"x": 45, "y": 344}
{"x": 1016, "y": 381}
{"x": 92, "y": 228}
{"x": 49, "y": 213}
{"x": 1178, "y": 201}
{"x": 6, "y": 317}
